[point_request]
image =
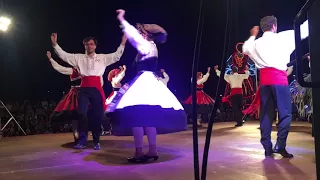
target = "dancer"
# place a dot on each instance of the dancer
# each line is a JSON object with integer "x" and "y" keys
{"x": 204, "y": 101}
{"x": 164, "y": 77}
{"x": 67, "y": 107}
{"x": 91, "y": 66}
{"x": 145, "y": 105}
{"x": 115, "y": 76}
{"x": 271, "y": 53}
{"x": 235, "y": 80}
{"x": 255, "y": 104}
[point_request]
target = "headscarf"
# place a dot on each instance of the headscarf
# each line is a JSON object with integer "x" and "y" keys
{"x": 113, "y": 73}
{"x": 153, "y": 31}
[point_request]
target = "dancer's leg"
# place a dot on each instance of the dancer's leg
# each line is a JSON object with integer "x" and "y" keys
{"x": 138, "y": 141}
{"x": 152, "y": 139}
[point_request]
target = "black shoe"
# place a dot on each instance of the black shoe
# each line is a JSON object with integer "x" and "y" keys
{"x": 268, "y": 153}
{"x": 96, "y": 146}
{"x": 79, "y": 146}
{"x": 142, "y": 159}
{"x": 155, "y": 158}
{"x": 238, "y": 125}
{"x": 283, "y": 153}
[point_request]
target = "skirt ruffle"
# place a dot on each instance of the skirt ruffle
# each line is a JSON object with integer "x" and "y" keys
{"x": 202, "y": 98}
{"x": 66, "y": 110}
{"x": 146, "y": 102}
{"x": 254, "y": 106}
{"x": 204, "y": 103}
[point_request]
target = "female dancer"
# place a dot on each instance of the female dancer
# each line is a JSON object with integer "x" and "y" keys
{"x": 145, "y": 105}
{"x": 204, "y": 101}
{"x": 67, "y": 107}
{"x": 115, "y": 76}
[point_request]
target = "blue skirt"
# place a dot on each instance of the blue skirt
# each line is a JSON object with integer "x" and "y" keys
{"x": 146, "y": 102}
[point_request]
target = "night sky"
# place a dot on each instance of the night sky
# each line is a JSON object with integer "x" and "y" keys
{"x": 25, "y": 72}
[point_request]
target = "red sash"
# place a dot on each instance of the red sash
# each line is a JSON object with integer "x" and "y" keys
{"x": 236, "y": 91}
{"x": 94, "y": 81}
{"x": 268, "y": 76}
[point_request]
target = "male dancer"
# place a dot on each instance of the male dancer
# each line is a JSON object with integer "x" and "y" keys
{"x": 271, "y": 54}
{"x": 235, "y": 80}
{"x": 165, "y": 79}
{"x": 91, "y": 66}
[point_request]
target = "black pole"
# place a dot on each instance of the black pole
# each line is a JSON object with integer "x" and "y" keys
{"x": 194, "y": 102}
{"x": 216, "y": 105}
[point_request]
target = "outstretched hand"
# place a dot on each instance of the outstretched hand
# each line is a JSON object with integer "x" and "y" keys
{"x": 209, "y": 69}
{"x": 254, "y": 31}
{"x": 121, "y": 14}
{"x": 54, "y": 39}
{"x": 49, "y": 55}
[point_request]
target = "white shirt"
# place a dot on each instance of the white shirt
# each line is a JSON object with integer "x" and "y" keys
{"x": 65, "y": 70}
{"x": 164, "y": 80}
{"x": 116, "y": 81}
{"x": 235, "y": 80}
{"x": 61, "y": 69}
{"x": 90, "y": 66}
{"x": 273, "y": 49}
{"x": 203, "y": 79}
{"x": 145, "y": 48}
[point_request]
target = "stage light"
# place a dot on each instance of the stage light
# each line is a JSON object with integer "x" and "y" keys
{"x": 4, "y": 23}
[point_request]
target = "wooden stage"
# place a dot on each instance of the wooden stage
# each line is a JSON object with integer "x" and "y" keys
{"x": 235, "y": 153}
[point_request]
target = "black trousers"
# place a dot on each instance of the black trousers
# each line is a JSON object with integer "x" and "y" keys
{"x": 275, "y": 97}
{"x": 236, "y": 103}
{"x": 86, "y": 96}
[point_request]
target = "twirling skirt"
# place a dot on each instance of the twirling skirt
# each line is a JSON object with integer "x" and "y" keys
{"x": 66, "y": 110}
{"x": 204, "y": 103}
{"x": 146, "y": 102}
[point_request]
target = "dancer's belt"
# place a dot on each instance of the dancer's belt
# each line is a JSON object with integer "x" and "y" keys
{"x": 273, "y": 76}
{"x": 94, "y": 81}
{"x": 235, "y": 91}
{"x": 116, "y": 89}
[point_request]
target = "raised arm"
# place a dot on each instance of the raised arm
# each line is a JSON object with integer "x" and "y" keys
{"x": 204, "y": 78}
{"x": 218, "y": 72}
{"x": 133, "y": 35}
{"x": 248, "y": 46}
{"x": 117, "y": 79}
{"x": 115, "y": 56}
{"x": 58, "y": 67}
{"x": 67, "y": 57}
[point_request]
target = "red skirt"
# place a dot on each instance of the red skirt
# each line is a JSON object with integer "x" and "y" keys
{"x": 254, "y": 106}
{"x": 67, "y": 107}
{"x": 202, "y": 98}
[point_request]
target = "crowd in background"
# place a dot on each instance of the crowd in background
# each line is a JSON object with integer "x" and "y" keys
{"x": 33, "y": 117}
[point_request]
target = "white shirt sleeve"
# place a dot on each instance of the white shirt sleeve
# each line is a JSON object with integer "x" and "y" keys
{"x": 203, "y": 79}
{"x": 113, "y": 57}
{"x": 60, "y": 69}
{"x": 67, "y": 57}
{"x": 218, "y": 72}
{"x": 135, "y": 38}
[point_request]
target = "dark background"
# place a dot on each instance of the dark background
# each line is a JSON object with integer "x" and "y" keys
{"x": 25, "y": 72}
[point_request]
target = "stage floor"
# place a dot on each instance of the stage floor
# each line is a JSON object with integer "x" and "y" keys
{"x": 235, "y": 153}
